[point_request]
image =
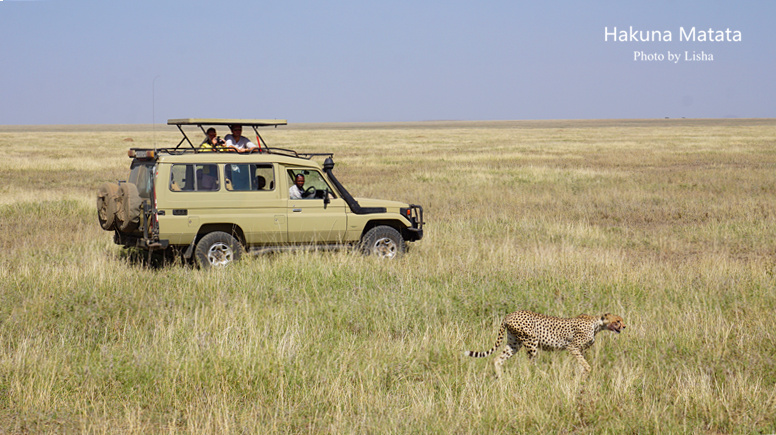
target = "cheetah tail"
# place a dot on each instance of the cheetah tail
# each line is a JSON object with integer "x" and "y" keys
{"x": 495, "y": 346}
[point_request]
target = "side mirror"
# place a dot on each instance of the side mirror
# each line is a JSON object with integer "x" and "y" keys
{"x": 326, "y": 199}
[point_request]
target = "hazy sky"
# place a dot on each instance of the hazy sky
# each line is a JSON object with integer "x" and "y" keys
{"x": 92, "y": 62}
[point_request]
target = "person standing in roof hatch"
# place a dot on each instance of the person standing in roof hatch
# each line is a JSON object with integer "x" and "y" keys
{"x": 211, "y": 140}
{"x": 237, "y": 141}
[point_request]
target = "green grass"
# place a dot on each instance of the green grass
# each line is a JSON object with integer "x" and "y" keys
{"x": 669, "y": 224}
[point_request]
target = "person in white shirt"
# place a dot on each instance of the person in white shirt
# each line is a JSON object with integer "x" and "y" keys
{"x": 297, "y": 190}
{"x": 237, "y": 140}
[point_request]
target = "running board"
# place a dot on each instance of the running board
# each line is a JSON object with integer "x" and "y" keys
{"x": 260, "y": 250}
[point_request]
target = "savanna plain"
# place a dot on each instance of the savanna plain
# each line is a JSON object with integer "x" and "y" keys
{"x": 669, "y": 223}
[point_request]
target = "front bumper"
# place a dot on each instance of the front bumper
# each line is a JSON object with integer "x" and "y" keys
{"x": 414, "y": 213}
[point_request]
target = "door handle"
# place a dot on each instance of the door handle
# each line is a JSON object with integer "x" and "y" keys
{"x": 297, "y": 210}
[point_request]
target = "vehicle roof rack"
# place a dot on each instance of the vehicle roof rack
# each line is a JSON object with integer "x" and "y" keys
{"x": 199, "y": 122}
{"x": 221, "y": 121}
{"x": 137, "y": 152}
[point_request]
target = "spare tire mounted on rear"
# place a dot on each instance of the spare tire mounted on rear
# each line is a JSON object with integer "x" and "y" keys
{"x": 107, "y": 205}
{"x": 129, "y": 211}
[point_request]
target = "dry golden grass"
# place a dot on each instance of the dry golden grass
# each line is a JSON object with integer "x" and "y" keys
{"x": 668, "y": 223}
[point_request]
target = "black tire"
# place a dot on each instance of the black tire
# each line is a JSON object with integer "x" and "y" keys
{"x": 217, "y": 249}
{"x": 107, "y": 195}
{"x": 384, "y": 242}
{"x": 129, "y": 211}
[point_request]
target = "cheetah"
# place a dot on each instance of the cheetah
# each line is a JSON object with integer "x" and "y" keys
{"x": 534, "y": 331}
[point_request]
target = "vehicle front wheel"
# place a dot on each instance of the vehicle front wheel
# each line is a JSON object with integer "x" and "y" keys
{"x": 217, "y": 249}
{"x": 383, "y": 241}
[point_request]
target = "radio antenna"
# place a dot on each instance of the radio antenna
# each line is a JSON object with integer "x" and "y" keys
{"x": 153, "y": 110}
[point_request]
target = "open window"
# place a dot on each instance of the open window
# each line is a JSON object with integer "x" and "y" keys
{"x": 312, "y": 179}
{"x": 246, "y": 177}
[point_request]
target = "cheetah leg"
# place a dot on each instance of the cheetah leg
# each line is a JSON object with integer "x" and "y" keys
{"x": 531, "y": 347}
{"x": 513, "y": 345}
{"x": 580, "y": 359}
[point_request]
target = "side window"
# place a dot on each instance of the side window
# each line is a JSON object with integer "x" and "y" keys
{"x": 265, "y": 177}
{"x": 312, "y": 178}
{"x": 245, "y": 177}
{"x": 182, "y": 178}
{"x": 194, "y": 178}
{"x": 207, "y": 177}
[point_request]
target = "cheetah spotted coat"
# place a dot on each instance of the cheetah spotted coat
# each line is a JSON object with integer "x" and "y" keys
{"x": 538, "y": 331}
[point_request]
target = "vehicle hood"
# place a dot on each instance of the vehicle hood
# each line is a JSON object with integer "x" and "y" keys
{"x": 389, "y": 205}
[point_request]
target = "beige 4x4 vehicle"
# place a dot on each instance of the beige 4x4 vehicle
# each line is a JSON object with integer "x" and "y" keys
{"x": 214, "y": 204}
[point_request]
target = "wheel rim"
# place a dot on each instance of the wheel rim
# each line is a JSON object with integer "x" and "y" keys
{"x": 220, "y": 254}
{"x": 385, "y": 248}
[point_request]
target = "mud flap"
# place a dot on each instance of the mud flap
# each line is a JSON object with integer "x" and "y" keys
{"x": 190, "y": 250}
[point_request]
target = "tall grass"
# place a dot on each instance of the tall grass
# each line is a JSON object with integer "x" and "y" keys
{"x": 668, "y": 224}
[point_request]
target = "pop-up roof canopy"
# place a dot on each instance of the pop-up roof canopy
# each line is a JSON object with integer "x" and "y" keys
{"x": 199, "y": 122}
{"x": 217, "y": 121}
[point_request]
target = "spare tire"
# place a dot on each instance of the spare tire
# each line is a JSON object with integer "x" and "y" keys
{"x": 128, "y": 207}
{"x": 107, "y": 195}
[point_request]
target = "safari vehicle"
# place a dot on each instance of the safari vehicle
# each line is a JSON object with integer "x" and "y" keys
{"x": 214, "y": 204}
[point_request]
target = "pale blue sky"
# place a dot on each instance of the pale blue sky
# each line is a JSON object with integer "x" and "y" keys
{"x": 93, "y": 62}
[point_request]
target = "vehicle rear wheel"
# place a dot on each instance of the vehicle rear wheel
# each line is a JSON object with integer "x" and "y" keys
{"x": 107, "y": 194}
{"x": 217, "y": 249}
{"x": 383, "y": 241}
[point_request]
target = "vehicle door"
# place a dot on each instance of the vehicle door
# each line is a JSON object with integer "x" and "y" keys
{"x": 187, "y": 196}
{"x": 311, "y": 219}
{"x": 255, "y": 203}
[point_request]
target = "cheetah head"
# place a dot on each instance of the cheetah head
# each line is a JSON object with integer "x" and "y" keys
{"x": 613, "y": 322}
